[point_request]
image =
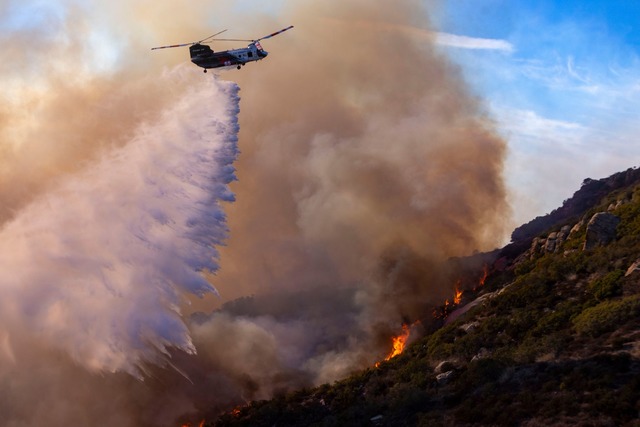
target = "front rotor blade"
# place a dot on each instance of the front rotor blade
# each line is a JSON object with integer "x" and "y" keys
{"x": 276, "y": 33}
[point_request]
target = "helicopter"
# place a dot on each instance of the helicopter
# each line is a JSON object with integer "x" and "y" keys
{"x": 203, "y": 56}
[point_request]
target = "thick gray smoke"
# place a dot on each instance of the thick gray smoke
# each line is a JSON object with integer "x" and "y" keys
{"x": 365, "y": 164}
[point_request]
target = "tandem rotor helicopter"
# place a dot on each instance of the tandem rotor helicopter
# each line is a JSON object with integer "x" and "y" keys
{"x": 203, "y": 56}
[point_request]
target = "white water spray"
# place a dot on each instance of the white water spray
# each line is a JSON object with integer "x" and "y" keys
{"x": 97, "y": 267}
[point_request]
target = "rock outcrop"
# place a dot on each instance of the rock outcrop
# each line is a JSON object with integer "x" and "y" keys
{"x": 591, "y": 192}
{"x": 549, "y": 244}
{"x": 601, "y": 230}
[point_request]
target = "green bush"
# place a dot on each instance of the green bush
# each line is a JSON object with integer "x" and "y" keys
{"x": 556, "y": 267}
{"x": 607, "y": 316}
{"x": 630, "y": 219}
{"x": 440, "y": 344}
{"x": 557, "y": 319}
{"x": 607, "y": 286}
{"x": 532, "y": 347}
{"x": 522, "y": 293}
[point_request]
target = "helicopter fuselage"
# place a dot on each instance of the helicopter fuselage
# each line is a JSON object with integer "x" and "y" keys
{"x": 203, "y": 56}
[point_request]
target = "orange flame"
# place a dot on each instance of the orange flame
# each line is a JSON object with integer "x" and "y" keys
{"x": 458, "y": 297}
{"x": 399, "y": 342}
{"x": 485, "y": 274}
{"x": 449, "y": 305}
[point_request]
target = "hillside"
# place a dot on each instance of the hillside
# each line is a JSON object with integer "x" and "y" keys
{"x": 551, "y": 337}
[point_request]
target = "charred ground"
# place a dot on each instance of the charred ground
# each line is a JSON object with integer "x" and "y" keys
{"x": 553, "y": 338}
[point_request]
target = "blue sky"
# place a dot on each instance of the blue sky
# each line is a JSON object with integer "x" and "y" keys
{"x": 562, "y": 80}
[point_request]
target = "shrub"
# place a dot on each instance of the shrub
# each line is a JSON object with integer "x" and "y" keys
{"x": 524, "y": 291}
{"x": 630, "y": 219}
{"x": 607, "y": 286}
{"x": 557, "y": 319}
{"x": 607, "y": 316}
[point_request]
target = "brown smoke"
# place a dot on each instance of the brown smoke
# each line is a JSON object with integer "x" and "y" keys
{"x": 357, "y": 138}
{"x": 63, "y": 103}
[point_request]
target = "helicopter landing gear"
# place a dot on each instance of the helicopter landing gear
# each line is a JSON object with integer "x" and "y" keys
{"x": 205, "y": 70}
{"x": 239, "y": 66}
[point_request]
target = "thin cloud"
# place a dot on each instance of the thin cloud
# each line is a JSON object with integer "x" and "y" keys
{"x": 476, "y": 43}
{"x": 442, "y": 39}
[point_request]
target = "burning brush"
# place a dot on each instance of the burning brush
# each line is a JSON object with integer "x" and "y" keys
{"x": 399, "y": 342}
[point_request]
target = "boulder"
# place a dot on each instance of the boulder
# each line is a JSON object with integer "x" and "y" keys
{"x": 616, "y": 205}
{"x": 444, "y": 366}
{"x": 634, "y": 268}
{"x": 577, "y": 227}
{"x": 563, "y": 235}
{"x": 537, "y": 246}
{"x": 601, "y": 230}
{"x": 550, "y": 244}
{"x": 444, "y": 377}
{"x": 482, "y": 354}
{"x": 470, "y": 327}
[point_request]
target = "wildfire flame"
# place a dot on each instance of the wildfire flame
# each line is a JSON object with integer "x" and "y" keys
{"x": 458, "y": 296}
{"x": 485, "y": 274}
{"x": 399, "y": 342}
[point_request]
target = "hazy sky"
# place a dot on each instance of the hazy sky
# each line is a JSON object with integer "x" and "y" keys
{"x": 561, "y": 79}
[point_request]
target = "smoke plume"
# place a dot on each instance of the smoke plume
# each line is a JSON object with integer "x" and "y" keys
{"x": 358, "y": 138}
{"x": 365, "y": 164}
